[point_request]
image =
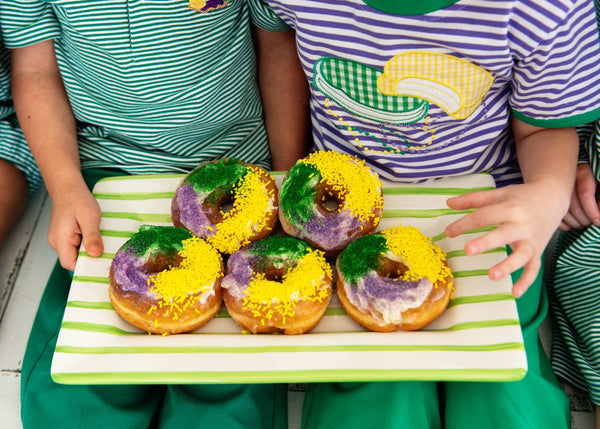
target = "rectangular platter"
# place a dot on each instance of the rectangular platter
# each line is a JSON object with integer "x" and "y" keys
{"x": 478, "y": 338}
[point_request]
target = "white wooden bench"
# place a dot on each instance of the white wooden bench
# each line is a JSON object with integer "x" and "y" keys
{"x": 25, "y": 264}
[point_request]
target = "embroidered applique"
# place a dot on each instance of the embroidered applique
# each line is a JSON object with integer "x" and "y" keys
{"x": 353, "y": 86}
{"x": 455, "y": 85}
{"x": 207, "y": 5}
{"x": 400, "y": 95}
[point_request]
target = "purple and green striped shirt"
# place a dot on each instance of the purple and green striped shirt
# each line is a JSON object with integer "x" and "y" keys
{"x": 427, "y": 91}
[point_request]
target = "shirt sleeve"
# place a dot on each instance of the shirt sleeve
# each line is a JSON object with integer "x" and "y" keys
{"x": 264, "y": 17}
{"x": 557, "y": 84}
{"x": 26, "y": 22}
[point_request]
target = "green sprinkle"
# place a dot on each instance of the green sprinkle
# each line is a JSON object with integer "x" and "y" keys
{"x": 298, "y": 200}
{"x": 361, "y": 257}
{"x": 217, "y": 177}
{"x": 278, "y": 250}
{"x": 167, "y": 239}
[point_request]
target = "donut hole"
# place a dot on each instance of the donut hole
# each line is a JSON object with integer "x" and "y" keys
{"x": 275, "y": 274}
{"x": 163, "y": 262}
{"x": 331, "y": 205}
{"x": 329, "y": 200}
{"x": 392, "y": 269}
{"x": 227, "y": 206}
{"x": 226, "y": 203}
{"x": 223, "y": 204}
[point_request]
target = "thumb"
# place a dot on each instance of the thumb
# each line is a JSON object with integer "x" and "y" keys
{"x": 91, "y": 238}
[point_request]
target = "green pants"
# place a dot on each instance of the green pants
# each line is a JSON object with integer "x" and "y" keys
{"x": 45, "y": 404}
{"x": 533, "y": 402}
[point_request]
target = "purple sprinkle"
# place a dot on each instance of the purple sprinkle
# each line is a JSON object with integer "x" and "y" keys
{"x": 389, "y": 289}
{"x": 191, "y": 215}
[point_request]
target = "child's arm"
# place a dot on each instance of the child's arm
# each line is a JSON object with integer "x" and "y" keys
{"x": 285, "y": 94}
{"x": 526, "y": 215}
{"x": 48, "y": 123}
{"x": 584, "y": 210}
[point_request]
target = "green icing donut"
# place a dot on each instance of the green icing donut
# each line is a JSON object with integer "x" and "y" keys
{"x": 217, "y": 178}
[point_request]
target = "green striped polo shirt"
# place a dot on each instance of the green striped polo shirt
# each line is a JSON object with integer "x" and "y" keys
{"x": 155, "y": 86}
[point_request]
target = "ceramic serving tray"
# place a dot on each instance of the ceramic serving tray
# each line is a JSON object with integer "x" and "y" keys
{"x": 478, "y": 338}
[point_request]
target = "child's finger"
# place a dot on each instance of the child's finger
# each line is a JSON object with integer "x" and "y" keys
{"x": 522, "y": 253}
{"x": 576, "y": 217}
{"x": 92, "y": 240}
{"x": 591, "y": 214}
{"x": 474, "y": 200}
{"x": 498, "y": 237}
{"x": 530, "y": 273}
{"x": 67, "y": 254}
{"x": 483, "y": 217}
{"x": 565, "y": 226}
{"x": 522, "y": 256}
{"x": 569, "y": 222}
{"x": 585, "y": 196}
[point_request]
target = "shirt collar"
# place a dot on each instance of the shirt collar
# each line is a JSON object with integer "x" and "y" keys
{"x": 397, "y": 7}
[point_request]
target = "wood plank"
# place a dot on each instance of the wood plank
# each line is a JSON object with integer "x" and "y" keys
{"x": 16, "y": 246}
{"x": 28, "y": 287}
{"x": 10, "y": 408}
{"x": 24, "y": 267}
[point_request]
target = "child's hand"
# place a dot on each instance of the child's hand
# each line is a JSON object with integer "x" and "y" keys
{"x": 75, "y": 220}
{"x": 584, "y": 207}
{"x": 526, "y": 217}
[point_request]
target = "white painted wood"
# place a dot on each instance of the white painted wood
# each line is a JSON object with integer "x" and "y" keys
{"x": 583, "y": 420}
{"x": 295, "y": 399}
{"x": 25, "y": 264}
{"x": 9, "y": 401}
{"x": 16, "y": 246}
{"x": 28, "y": 288}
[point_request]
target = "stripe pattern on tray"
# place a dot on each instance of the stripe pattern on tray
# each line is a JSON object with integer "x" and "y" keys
{"x": 477, "y": 338}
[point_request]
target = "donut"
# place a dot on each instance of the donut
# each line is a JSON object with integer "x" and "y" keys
{"x": 393, "y": 279}
{"x": 330, "y": 199}
{"x": 164, "y": 280}
{"x": 277, "y": 284}
{"x": 200, "y": 203}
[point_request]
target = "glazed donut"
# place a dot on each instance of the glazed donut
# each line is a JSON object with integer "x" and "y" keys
{"x": 277, "y": 284}
{"x": 394, "y": 279}
{"x": 201, "y": 197}
{"x": 330, "y": 199}
{"x": 163, "y": 280}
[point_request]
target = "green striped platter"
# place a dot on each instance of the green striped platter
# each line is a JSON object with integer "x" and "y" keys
{"x": 478, "y": 338}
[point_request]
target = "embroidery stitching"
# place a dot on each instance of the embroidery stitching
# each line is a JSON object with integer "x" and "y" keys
{"x": 400, "y": 95}
{"x": 205, "y": 6}
{"x": 455, "y": 85}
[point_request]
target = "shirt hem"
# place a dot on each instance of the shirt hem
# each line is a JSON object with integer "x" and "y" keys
{"x": 570, "y": 121}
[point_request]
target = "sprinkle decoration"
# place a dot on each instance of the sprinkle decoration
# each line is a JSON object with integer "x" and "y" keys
{"x": 178, "y": 288}
{"x": 305, "y": 281}
{"x": 350, "y": 179}
{"x": 422, "y": 257}
{"x": 250, "y": 203}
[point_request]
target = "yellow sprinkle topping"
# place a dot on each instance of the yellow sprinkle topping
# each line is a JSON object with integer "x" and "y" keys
{"x": 305, "y": 281}
{"x": 180, "y": 287}
{"x": 250, "y": 203}
{"x": 422, "y": 257}
{"x": 351, "y": 179}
